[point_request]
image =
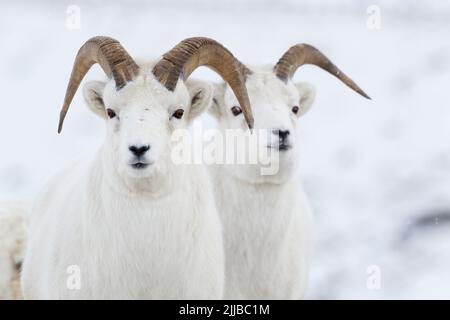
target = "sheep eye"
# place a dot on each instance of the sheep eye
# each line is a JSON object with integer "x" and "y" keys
{"x": 236, "y": 110}
{"x": 295, "y": 109}
{"x": 111, "y": 113}
{"x": 178, "y": 113}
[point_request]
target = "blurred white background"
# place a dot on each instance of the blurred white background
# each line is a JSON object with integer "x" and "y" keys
{"x": 377, "y": 172}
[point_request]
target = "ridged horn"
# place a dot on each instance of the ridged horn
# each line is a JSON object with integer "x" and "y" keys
{"x": 301, "y": 54}
{"x": 113, "y": 59}
{"x": 192, "y": 53}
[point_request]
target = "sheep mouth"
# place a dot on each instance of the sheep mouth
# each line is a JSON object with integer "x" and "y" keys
{"x": 140, "y": 165}
{"x": 284, "y": 147}
{"x": 281, "y": 147}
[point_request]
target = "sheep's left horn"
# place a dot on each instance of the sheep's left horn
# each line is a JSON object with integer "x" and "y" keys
{"x": 113, "y": 59}
{"x": 192, "y": 53}
{"x": 301, "y": 54}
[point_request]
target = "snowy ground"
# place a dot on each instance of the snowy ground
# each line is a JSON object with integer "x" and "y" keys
{"x": 377, "y": 172}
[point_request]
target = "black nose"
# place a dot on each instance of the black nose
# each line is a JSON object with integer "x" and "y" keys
{"x": 139, "y": 150}
{"x": 283, "y": 134}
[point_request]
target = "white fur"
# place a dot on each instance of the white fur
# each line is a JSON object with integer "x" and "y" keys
{"x": 151, "y": 233}
{"x": 13, "y": 221}
{"x": 266, "y": 218}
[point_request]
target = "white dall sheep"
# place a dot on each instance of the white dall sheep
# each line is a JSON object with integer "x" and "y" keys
{"x": 266, "y": 217}
{"x": 128, "y": 222}
{"x": 13, "y": 222}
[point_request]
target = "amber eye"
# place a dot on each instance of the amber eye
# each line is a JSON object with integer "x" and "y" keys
{"x": 111, "y": 113}
{"x": 295, "y": 109}
{"x": 178, "y": 113}
{"x": 236, "y": 110}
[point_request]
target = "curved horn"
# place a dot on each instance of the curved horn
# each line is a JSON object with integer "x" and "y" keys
{"x": 113, "y": 59}
{"x": 301, "y": 54}
{"x": 192, "y": 53}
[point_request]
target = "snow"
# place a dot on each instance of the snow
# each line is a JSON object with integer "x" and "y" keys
{"x": 375, "y": 170}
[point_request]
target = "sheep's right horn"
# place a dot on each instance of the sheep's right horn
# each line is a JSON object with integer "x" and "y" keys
{"x": 301, "y": 54}
{"x": 113, "y": 59}
{"x": 192, "y": 53}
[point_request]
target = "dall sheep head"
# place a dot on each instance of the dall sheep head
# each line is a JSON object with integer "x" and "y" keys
{"x": 277, "y": 103}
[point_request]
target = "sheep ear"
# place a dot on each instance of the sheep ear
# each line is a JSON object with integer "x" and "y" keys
{"x": 307, "y": 94}
{"x": 218, "y": 98}
{"x": 93, "y": 95}
{"x": 201, "y": 94}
